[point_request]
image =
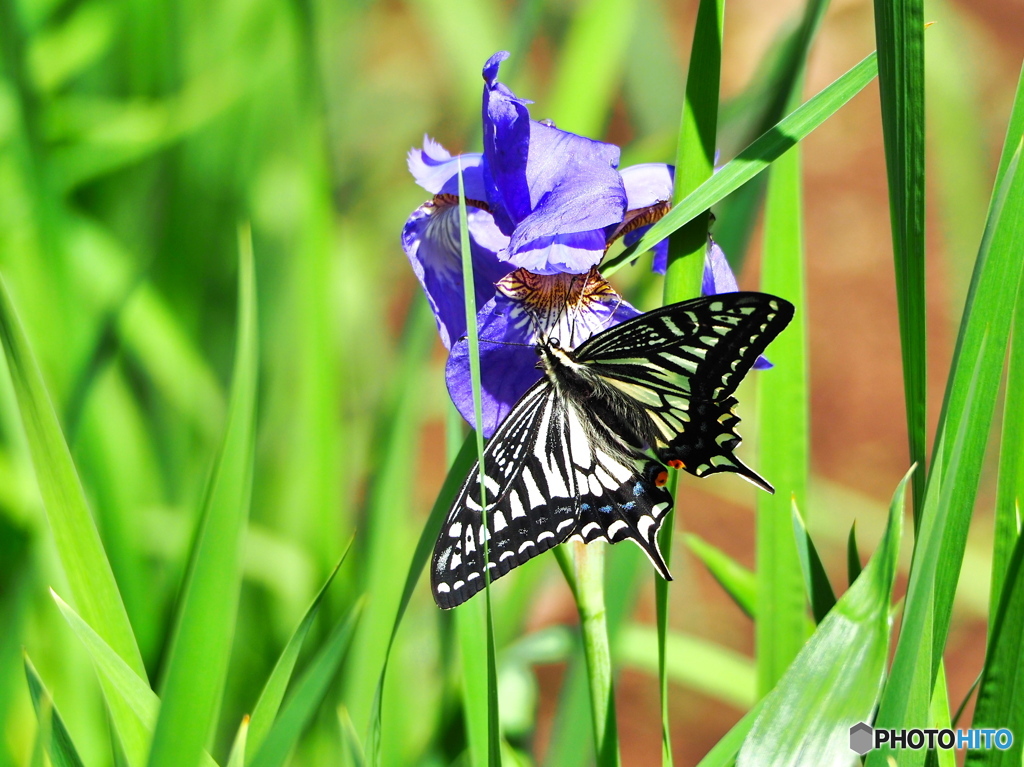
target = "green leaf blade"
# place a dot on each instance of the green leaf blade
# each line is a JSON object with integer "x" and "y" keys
{"x": 198, "y": 661}
{"x": 835, "y": 680}
{"x": 269, "y": 702}
{"x": 758, "y": 155}
{"x": 1001, "y": 693}
{"x": 899, "y": 33}
{"x": 309, "y": 692}
{"x": 60, "y": 747}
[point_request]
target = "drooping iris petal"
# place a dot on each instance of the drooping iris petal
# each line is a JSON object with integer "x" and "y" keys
{"x": 544, "y": 184}
{"x": 506, "y": 372}
{"x": 719, "y": 278}
{"x": 436, "y": 170}
{"x": 526, "y": 308}
{"x": 647, "y": 184}
{"x": 431, "y": 241}
{"x": 718, "y": 275}
{"x": 648, "y": 198}
{"x": 562, "y": 253}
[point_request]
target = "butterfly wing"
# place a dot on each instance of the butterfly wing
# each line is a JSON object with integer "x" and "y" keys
{"x": 528, "y": 510}
{"x": 545, "y": 480}
{"x": 632, "y": 509}
{"x": 682, "y": 363}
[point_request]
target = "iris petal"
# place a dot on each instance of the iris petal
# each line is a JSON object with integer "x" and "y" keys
{"x": 647, "y": 184}
{"x": 506, "y": 372}
{"x": 437, "y": 171}
{"x": 544, "y": 183}
{"x": 571, "y": 253}
{"x": 431, "y": 241}
{"x": 526, "y": 308}
{"x": 718, "y": 275}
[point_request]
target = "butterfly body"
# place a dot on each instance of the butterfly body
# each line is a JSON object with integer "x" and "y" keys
{"x": 584, "y": 452}
{"x": 623, "y": 425}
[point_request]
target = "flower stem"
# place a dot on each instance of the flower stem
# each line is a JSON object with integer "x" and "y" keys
{"x": 584, "y": 569}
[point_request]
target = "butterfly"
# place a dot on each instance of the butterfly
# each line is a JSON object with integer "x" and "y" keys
{"x": 584, "y": 453}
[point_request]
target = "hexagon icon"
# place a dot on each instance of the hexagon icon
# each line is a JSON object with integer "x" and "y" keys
{"x": 861, "y": 738}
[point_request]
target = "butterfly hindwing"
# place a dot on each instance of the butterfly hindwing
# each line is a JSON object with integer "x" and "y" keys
{"x": 633, "y": 510}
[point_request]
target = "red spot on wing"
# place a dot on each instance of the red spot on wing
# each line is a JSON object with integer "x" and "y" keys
{"x": 661, "y": 478}
{"x": 675, "y": 463}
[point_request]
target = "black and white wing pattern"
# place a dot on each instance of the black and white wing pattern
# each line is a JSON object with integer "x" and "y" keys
{"x": 682, "y": 363}
{"x": 574, "y": 457}
{"x": 545, "y": 481}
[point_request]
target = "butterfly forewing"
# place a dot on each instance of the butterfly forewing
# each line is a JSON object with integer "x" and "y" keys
{"x": 525, "y": 504}
{"x": 545, "y": 480}
{"x": 682, "y": 363}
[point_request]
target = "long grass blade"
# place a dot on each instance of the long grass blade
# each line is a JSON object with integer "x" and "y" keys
{"x": 739, "y": 582}
{"x": 819, "y": 589}
{"x": 763, "y": 151}
{"x": 476, "y": 630}
{"x": 269, "y": 702}
{"x": 386, "y": 535}
{"x": 1010, "y": 489}
{"x": 310, "y": 690}
{"x": 961, "y": 438}
{"x": 835, "y": 680}
{"x": 575, "y": 720}
{"x": 236, "y": 757}
{"x": 782, "y": 397}
{"x": 142, "y": 702}
{"x": 58, "y": 743}
{"x": 77, "y": 540}
{"x": 456, "y": 475}
{"x": 202, "y": 641}
{"x": 694, "y": 164}
{"x": 724, "y": 752}
{"x": 588, "y": 588}
{"x": 764, "y": 103}
{"x": 939, "y": 719}
{"x": 1001, "y": 693}
{"x": 899, "y": 34}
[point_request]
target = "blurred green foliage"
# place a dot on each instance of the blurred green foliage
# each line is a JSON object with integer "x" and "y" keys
{"x": 135, "y": 138}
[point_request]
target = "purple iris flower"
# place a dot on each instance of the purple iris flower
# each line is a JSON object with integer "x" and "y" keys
{"x": 542, "y": 207}
{"x": 553, "y": 193}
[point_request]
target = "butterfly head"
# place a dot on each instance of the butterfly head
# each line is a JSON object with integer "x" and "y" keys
{"x": 553, "y": 359}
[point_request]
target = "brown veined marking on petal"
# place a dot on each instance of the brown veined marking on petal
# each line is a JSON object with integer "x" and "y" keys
{"x": 445, "y": 200}
{"x": 546, "y": 296}
{"x": 634, "y": 219}
{"x": 675, "y": 463}
{"x": 661, "y": 478}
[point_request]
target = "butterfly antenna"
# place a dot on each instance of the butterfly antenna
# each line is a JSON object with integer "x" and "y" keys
{"x": 561, "y": 310}
{"x": 575, "y": 315}
{"x": 499, "y": 343}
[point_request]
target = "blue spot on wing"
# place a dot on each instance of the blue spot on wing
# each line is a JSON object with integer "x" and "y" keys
{"x": 629, "y": 505}
{"x": 606, "y": 509}
{"x": 638, "y": 488}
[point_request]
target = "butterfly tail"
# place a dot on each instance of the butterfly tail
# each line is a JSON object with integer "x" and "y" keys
{"x": 633, "y": 511}
{"x": 706, "y": 445}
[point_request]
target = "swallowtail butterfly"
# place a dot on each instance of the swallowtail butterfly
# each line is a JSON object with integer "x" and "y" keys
{"x": 584, "y": 452}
